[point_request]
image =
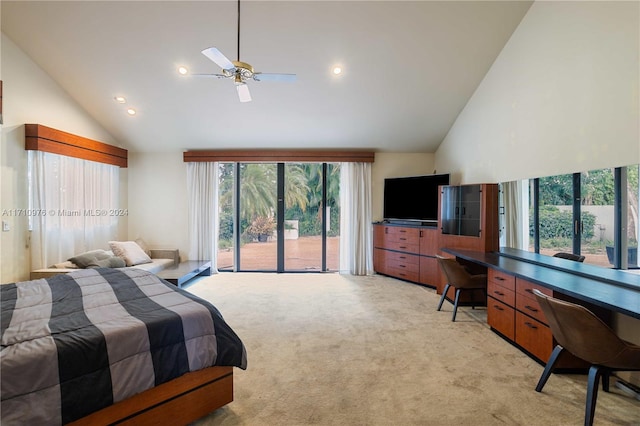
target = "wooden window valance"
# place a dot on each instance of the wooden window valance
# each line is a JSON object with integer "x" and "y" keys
{"x": 280, "y": 156}
{"x": 42, "y": 138}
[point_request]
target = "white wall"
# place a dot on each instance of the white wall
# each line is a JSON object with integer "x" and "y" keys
{"x": 158, "y": 200}
{"x": 561, "y": 97}
{"x": 30, "y": 96}
{"x": 389, "y": 164}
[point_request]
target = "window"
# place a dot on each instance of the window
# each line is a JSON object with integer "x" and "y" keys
{"x": 73, "y": 206}
{"x": 587, "y": 213}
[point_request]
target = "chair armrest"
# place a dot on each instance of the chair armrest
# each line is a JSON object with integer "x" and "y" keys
{"x": 166, "y": 254}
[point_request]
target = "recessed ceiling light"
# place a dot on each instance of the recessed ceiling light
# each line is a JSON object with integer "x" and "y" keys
{"x": 183, "y": 70}
{"x": 337, "y": 70}
{"x": 120, "y": 99}
{"x": 131, "y": 111}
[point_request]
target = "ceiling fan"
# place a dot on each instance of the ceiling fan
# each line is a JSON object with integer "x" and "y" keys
{"x": 240, "y": 72}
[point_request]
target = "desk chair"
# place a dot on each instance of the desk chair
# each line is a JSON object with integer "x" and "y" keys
{"x": 570, "y": 256}
{"x": 458, "y": 277}
{"x": 579, "y": 331}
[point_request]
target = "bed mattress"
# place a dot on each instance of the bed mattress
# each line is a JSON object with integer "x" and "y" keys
{"x": 75, "y": 343}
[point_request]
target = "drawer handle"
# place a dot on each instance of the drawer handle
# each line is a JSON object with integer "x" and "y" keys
{"x": 403, "y": 231}
{"x": 528, "y": 324}
{"x": 499, "y": 278}
{"x": 529, "y": 290}
{"x": 402, "y": 266}
{"x": 403, "y": 239}
{"x": 499, "y": 293}
{"x": 531, "y": 308}
{"x": 404, "y": 247}
{"x": 498, "y": 307}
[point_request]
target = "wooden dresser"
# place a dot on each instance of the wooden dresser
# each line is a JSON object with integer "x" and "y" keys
{"x": 406, "y": 252}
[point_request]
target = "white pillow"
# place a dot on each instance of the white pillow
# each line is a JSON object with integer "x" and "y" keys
{"x": 130, "y": 252}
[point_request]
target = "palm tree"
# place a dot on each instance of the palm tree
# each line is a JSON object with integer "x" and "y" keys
{"x": 296, "y": 187}
{"x": 258, "y": 190}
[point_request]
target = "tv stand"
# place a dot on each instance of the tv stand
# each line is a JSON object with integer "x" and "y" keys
{"x": 406, "y": 251}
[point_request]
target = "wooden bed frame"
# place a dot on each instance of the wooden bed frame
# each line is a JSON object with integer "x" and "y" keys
{"x": 182, "y": 400}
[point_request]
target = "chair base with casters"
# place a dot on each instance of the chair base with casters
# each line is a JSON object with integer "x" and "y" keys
{"x": 457, "y": 298}
{"x": 580, "y": 332}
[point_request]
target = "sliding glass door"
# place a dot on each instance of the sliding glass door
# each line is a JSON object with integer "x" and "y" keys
{"x": 280, "y": 217}
{"x": 258, "y": 248}
{"x": 597, "y": 199}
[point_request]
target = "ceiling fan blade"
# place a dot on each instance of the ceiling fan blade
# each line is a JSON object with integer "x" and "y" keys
{"x": 216, "y": 56}
{"x": 259, "y": 76}
{"x": 243, "y": 92}
{"x": 212, "y": 75}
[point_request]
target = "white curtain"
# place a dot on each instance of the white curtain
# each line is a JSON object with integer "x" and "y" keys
{"x": 73, "y": 206}
{"x": 516, "y": 215}
{"x": 202, "y": 189}
{"x": 356, "y": 239}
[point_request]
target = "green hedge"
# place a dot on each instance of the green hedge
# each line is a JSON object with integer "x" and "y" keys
{"x": 557, "y": 224}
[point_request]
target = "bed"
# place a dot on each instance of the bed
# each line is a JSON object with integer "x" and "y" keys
{"x": 104, "y": 346}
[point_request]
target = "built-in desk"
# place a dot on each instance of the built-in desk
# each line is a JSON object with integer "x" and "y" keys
{"x": 608, "y": 288}
{"x": 513, "y": 311}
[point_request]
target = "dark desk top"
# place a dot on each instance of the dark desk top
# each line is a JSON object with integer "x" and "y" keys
{"x": 567, "y": 277}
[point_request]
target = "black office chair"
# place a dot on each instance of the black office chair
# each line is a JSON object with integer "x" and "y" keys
{"x": 579, "y": 331}
{"x": 570, "y": 256}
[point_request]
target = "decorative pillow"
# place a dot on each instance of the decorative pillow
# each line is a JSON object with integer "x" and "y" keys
{"x": 130, "y": 252}
{"x": 84, "y": 259}
{"x": 110, "y": 262}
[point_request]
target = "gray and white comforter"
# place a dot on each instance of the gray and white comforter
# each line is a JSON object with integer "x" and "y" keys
{"x": 75, "y": 343}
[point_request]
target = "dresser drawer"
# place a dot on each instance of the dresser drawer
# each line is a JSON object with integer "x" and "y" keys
{"x": 530, "y": 306}
{"x": 534, "y": 337}
{"x": 505, "y": 280}
{"x": 408, "y": 273}
{"x": 403, "y": 246}
{"x": 402, "y": 258}
{"x": 525, "y": 288}
{"x": 500, "y": 317}
{"x": 403, "y": 235}
{"x": 501, "y": 293}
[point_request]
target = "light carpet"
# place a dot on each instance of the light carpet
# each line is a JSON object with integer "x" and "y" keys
{"x": 330, "y": 349}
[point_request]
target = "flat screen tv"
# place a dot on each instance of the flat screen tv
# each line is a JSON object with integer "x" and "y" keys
{"x": 413, "y": 198}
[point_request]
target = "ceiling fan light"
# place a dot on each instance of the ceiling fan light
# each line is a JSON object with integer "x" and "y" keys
{"x": 243, "y": 92}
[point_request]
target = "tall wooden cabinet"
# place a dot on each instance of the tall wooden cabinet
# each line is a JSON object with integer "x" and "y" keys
{"x": 468, "y": 220}
{"x": 406, "y": 252}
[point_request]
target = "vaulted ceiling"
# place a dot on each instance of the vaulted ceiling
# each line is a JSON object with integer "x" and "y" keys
{"x": 409, "y": 68}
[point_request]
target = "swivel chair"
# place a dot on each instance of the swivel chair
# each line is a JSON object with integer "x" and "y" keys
{"x": 458, "y": 277}
{"x": 582, "y": 333}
